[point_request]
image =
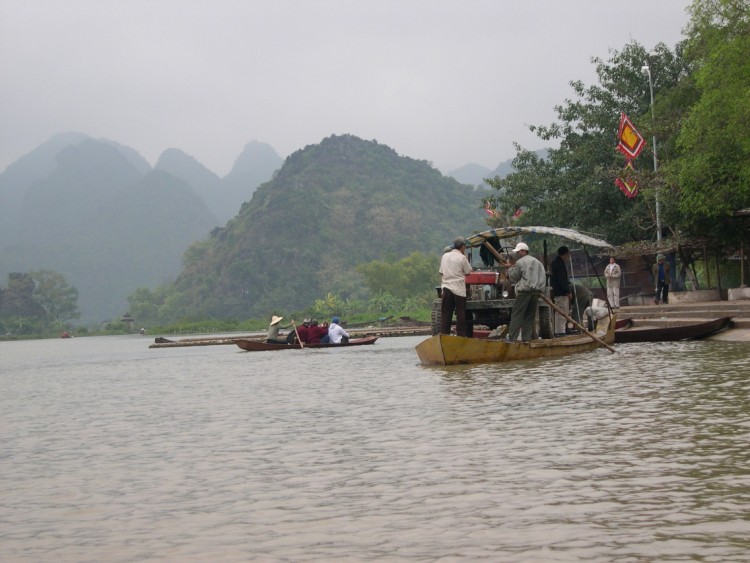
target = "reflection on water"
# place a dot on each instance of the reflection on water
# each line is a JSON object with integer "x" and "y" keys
{"x": 111, "y": 451}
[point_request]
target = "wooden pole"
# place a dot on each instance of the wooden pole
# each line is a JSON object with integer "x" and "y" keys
{"x": 576, "y": 324}
{"x": 301, "y": 344}
{"x": 493, "y": 251}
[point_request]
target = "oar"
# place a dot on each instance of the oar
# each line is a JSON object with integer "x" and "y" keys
{"x": 301, "y": 344}
{"x": 575, "y": 323}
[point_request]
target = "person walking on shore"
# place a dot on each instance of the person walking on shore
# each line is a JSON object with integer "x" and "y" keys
{"x": 613, "y": 273}
{"x": 661, "y": 278}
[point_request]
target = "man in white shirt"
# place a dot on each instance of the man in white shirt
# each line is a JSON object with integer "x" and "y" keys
{"x": 453, "y": 268}
{"x": 336, "y": 332}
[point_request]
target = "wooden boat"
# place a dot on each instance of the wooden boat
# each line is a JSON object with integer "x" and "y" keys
{"x": 262, "y": 346}
{"x": 447, "y": 349}
{"x": 670, "y": 332}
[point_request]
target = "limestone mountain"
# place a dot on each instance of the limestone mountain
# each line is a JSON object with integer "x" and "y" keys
{"x": 105, "y": 226}
{"x": 471, "y": 174}
{"x": 204, "y": 182}
{"x": 330, "y": 207}
{"x": 23, "y": 173}
{"x": 224, "y": 196}
{"x": 255, "y": 165}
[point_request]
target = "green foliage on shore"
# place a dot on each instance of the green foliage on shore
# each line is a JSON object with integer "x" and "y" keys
{"x": 37, "y": 304}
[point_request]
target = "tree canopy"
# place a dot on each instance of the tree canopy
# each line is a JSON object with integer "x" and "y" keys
{"x": 36, "y": 302}
{"x": 712, "y": 167}
{"x": 702, "y": 114}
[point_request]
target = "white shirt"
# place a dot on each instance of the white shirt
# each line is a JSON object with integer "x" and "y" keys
{"x": 613, "y": 272}
{"x": 335, "y": 332}
{"x": 453, "y": 267}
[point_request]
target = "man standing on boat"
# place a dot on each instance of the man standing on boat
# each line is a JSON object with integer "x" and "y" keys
{"x": 530, "y": 279}
{"x": 453, "y": 268}
{"x": 562, "y": 293}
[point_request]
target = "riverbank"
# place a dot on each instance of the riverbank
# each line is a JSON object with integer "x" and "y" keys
{"x": 657, "y": 315}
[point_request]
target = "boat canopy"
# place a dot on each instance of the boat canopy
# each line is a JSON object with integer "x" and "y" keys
{"x": 508, "y": 232}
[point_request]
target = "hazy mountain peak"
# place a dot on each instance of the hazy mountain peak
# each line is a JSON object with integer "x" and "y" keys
{"x": 135, "y": 158}
{"x": 254, "y": 157}
{"x": 97, "y": 159}
{"x": 472, "y": 174}
{"x": 185, "y": 166}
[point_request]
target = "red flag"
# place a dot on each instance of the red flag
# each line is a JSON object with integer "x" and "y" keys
{"x": 627, "y": 182}
{"x": 491, "y": 212}
{"x": 630, "y": 142}
{"x": 518, "y": 212}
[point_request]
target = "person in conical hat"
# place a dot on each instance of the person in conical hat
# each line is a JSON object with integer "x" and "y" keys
{"x": 272, "y": 337}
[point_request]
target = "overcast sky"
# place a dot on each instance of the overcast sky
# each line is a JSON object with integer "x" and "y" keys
{"x": 448, "y": 81}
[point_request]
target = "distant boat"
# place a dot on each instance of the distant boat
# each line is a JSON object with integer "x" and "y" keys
{"x": 261, "y": 346}
{"x": 631, "y": 332}
{"x": 447, "y": 349}
{"x": 66, "y": 334}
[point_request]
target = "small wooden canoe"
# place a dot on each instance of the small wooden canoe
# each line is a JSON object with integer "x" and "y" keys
{"x": 447, "y": 349}
{"x": 261, "y": 346}
{"x": 671, "y": 332}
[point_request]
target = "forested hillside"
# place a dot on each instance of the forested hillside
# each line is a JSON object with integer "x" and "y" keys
{"x": 331, "y": 206}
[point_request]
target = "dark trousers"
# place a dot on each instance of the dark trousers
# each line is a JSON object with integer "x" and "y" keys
{"x": 452, "y": 302}
{"x": 662, "y": 292}
{"x": 523, "y": 315}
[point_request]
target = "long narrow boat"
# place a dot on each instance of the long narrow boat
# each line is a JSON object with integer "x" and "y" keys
{"x": 670, "y": 332}
{"x": 447, "y": 349}
{"x": 260, "y": 346}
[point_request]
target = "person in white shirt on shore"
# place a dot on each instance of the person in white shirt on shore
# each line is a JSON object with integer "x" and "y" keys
{"x": 613, "y": 273}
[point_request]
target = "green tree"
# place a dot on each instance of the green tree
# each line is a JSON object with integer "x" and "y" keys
{"x": 573, "y": 186}
{"x": 18, "y": 297}
{"x": 414, "y": 275}
{"x": 144, "y": 305}
{"x": 58, "y": 298}
{"x": 712, "y": 171}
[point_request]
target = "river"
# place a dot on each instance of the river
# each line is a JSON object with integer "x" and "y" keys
{"x": 112, "y": 451}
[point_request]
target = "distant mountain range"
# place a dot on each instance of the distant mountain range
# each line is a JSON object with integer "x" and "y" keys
{"x": 475, "y": 174}
{"x": 98, "y": 213}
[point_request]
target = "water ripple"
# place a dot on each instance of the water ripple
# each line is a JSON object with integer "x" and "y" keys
{"x": 114, "y": 451}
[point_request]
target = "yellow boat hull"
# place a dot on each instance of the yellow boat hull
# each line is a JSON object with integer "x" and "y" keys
{"x": 445, "y": 349}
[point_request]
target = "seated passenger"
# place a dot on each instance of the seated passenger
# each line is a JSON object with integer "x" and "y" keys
{"x": 316, "y": 332}
{"x": 304, "y": 331}
{"x": 336, "y": 333}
